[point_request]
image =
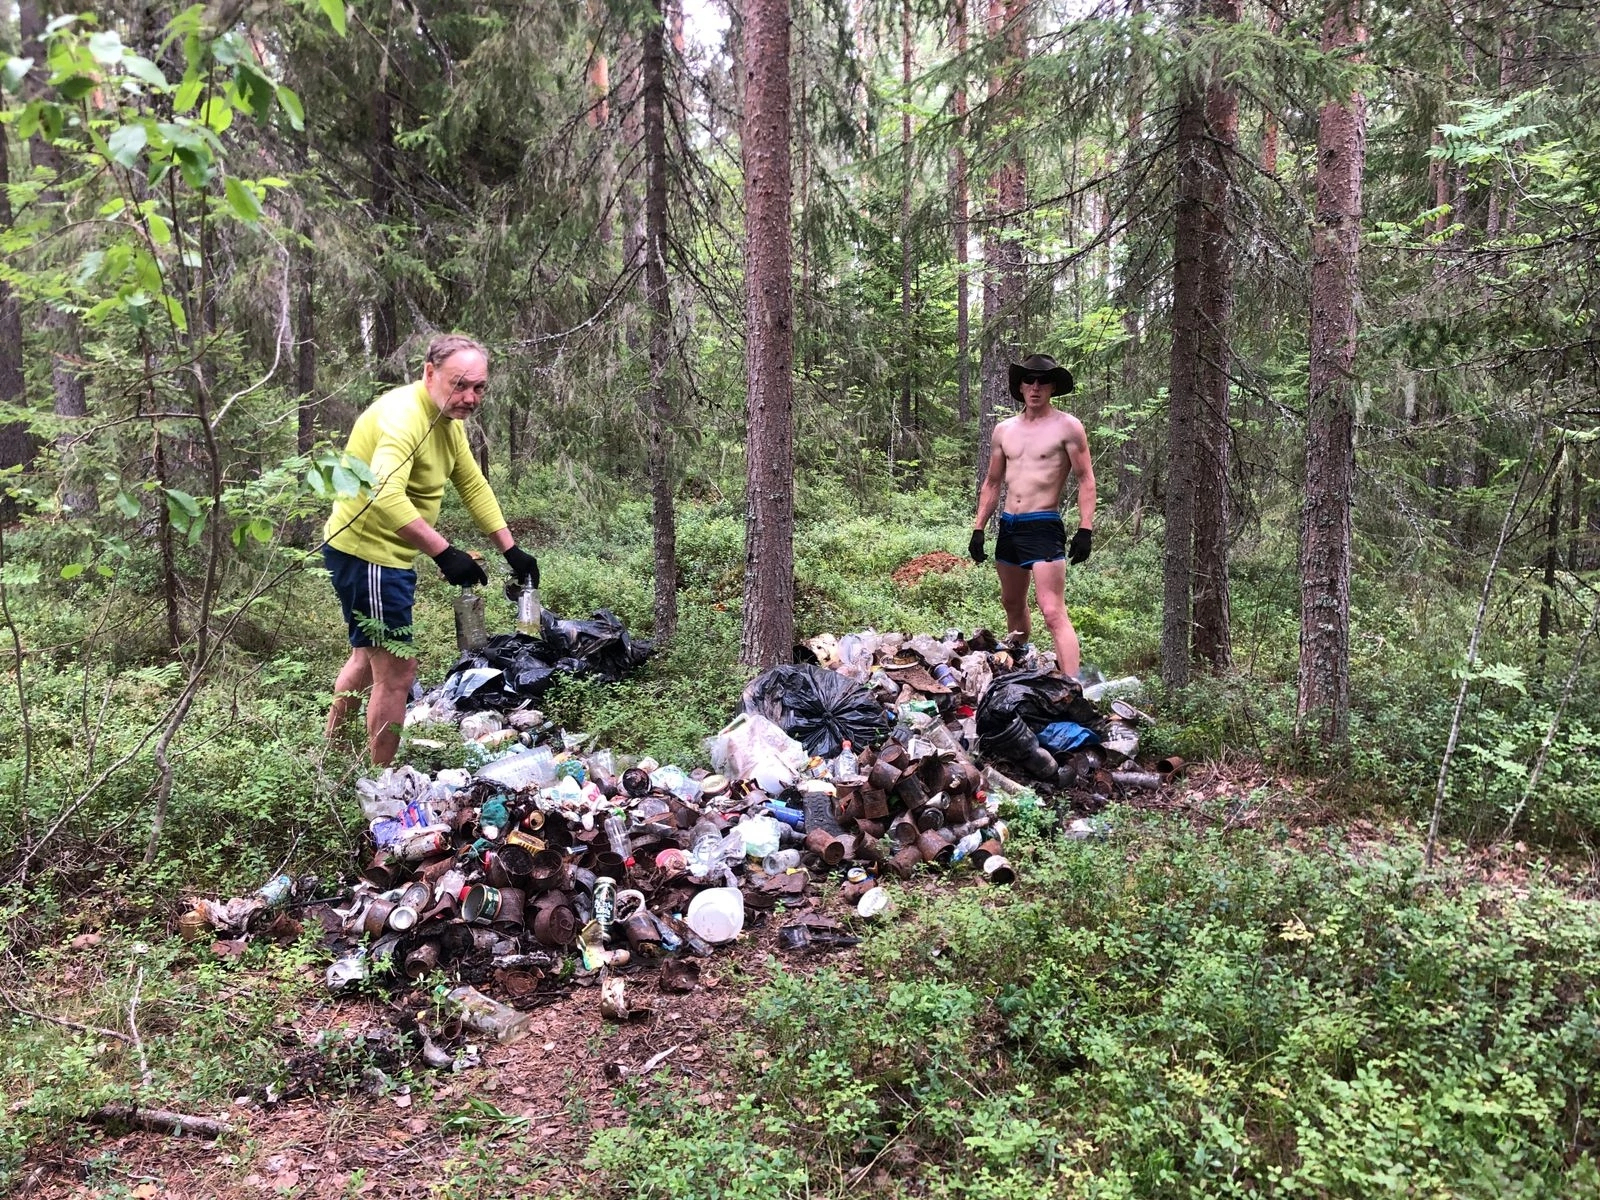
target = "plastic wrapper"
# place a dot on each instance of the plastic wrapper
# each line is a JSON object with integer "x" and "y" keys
{"x": 752, "y": 747}
{"x": 821, "y": 709}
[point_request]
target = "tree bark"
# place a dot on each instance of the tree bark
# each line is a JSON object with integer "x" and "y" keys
{"x": 305, "y": 373}
{"x": 17, "y": 446}
{"x": 385, "y": 319}
{"x": 907, "y": 356}
{"x": 958, "y": 23}
{"x": 1005, "y": 265}
{"x": 1324, "y": 676}
{"x": 1183, "y": 388}
{"x": 1213, "y": 639}
{"x": 1269, "y": 119}
{"x": 768, "y": 636}
{"x": 663, "y": 517}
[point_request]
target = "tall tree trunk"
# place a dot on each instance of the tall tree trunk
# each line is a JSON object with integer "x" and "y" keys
{"x": 305, "y": 374}
{"x": 663, "y": 518}
{"x": 385, "y": 318}
{"x": 62, "y": 332}
{"x": 1552, "y": 558}
{"x": 768, "y": 636}
{"x": 1324, "y": 677}
{"x": 599, "y": 117}
{"x": 1005, "y": 264}
{"x": 1183, "y": 399}
{"x": 1213, "y": 639}
{"x": 1269, "y": 119}
{"x": 16, "y": 442}
{"x": 958, "y": 189}
{"x": 907, "y": 356}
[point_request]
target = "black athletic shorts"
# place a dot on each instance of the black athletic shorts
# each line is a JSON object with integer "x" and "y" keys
{"x": 1031, "y": 537}
{"x": 373, "y": 597}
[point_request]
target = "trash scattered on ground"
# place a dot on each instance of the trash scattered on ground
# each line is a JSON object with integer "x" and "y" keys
{"x": 549, "y": 864}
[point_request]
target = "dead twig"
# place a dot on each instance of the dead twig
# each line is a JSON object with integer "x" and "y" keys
{"x": 655, "y": 1061}
{"x": 39, "y": 1016}
{"x": 159, "y": 1120}
{"x": 133, "y": 1026}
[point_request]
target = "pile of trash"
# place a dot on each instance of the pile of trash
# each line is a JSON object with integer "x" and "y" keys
{"x": 550, "y": 864}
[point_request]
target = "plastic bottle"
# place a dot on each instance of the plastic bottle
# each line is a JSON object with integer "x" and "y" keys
{"x": 966, "y": 846}
{"x": 617, "y": 838}
{"x": 489, "y": 1017}
{"x": 705, "y": 849}
{"x": 845, "y": 766}
{"x": 529, "y": 610}
{"x": 470, "y": 627}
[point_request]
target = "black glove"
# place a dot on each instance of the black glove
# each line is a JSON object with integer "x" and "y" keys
{"x": 524, "y": 566}
{"x": 460, "y": 568}
{"x": 1079, "y": 550}
{"x": 975, "y": 546}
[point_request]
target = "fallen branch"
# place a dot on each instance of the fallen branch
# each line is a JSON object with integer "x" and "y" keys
{"x": 160, "y": 1120}
{"x": 39, "y": 1016}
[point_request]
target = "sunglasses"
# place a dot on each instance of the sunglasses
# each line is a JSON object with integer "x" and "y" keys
{"x": 1036, "y": 379}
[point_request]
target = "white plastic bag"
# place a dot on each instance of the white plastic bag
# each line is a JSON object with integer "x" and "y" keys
{"x": 752, "y": 747}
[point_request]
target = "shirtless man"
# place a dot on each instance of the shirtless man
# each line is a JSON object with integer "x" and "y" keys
{"x": 1031, "y": 454}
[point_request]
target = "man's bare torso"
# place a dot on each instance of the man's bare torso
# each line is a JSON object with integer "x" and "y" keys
{"x": 1037, "y": 454}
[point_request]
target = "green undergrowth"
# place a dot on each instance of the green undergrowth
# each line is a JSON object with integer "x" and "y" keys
{"x": 1171, "y": 1014}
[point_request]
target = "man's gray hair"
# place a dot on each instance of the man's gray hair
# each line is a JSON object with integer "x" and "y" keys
{"x": 448, "y": 344}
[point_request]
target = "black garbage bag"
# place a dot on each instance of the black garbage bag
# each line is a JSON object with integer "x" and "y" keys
{"x": 1019, "y": 704}
{"x": 511, "y": 669}
{"x": 819, "y": 708}
{"x": 602, "y": 644}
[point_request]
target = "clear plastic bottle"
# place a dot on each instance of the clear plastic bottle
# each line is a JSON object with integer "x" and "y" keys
{"x": 489, "y": 1017}
{"x": 705, "y": 849}
{"x": 529, "y": 610}
{"x": 471, "y": 630}
{"x": 967, "y": 845}
{"x": 617, "y": 838}
{"x": 846, "y": 765}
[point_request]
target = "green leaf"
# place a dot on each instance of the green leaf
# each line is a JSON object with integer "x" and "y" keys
{"x": 128, "y": 505}
{"x": 142, "y": 69}
{"x": 255, "y": 90}
{"x": 175, "y": 313}
{"x": 184, "y": 501}
{"x": 127, "y": 143}
{"x": 106, "y": 46}
{"x": 76, "y": 87}
{"x": 188, "y": 93}
{"x": 13, "y": 73}
{"x": 195, "y": 165}
{"x": 260, "y": 529}
{"x": 242, "y": 200}
{"x": 72, "y": 570}
{"x": 160, "y": 230}
{"x": 102, "y": 569}
{"x": 334, "y": 11}
{"x": 344, "y": 481}
{"x": 293, "y": 107}
{"x": 217, "y": 113}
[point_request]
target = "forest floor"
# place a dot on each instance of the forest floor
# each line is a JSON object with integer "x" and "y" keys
{"x": 523, "y": 1120}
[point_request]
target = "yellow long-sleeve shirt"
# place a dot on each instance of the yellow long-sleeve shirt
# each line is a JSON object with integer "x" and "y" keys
{"x": 412, "y": 449}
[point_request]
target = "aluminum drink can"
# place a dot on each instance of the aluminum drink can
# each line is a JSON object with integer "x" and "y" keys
{"x": 605, "y": 902}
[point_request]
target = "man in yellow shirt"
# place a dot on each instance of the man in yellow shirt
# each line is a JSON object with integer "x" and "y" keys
{"x": 413, "y": 439}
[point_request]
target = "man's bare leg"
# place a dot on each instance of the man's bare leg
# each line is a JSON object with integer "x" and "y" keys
{"x": 1050, "y": 589}
{"x": 354, "y": 681}
{"x": 386, "y": 711}
{"x": 1014, "y": 596}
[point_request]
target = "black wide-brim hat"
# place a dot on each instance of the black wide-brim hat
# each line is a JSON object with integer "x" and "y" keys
{"x": 1040, "y": 364}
